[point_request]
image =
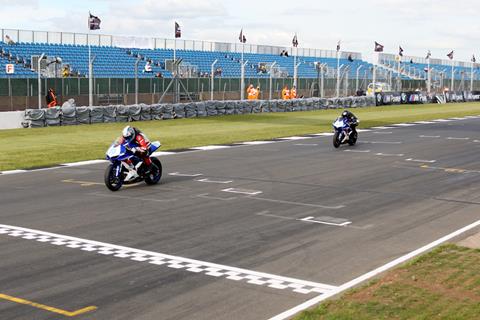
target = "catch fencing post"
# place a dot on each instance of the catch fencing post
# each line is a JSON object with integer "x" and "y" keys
{"x": 136, "y": 79}
{"x": 270, "y": 93}
{"x": 212, "y": 78}
{"x": 40, "y": 81}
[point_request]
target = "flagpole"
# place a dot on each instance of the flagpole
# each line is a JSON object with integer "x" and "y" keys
{"x": 399, "y": 83}
{"x": 242, "y": 74}
{"x": 338, "y": 74}
{"x": 374, "y": 74}
{"x": 90, "y": 71}
{"x": 294, "y": 66}
{"x": 428, "y": 74}
{"x": 471, "y": 76}
{"x": 452, "y": 82}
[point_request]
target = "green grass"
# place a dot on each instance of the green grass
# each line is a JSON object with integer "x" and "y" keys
{"x": 29, "y": 148}
{"x": 443, "y": 284}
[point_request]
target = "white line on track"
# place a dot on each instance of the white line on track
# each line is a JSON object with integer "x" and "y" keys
{"x": 363, "y": 130}
{"x": 382, "y": 128}
{"x": 389, "y": 154}
{"x": 458, "y": 138}
{"x": 170, "y": 261}
{"x": 254, "y": 143}
{"x": 306, "y": 144}
{"x": 424, "y": 122}
{"x": 162, "y": 153}
{"x": 13, "y": 171}
{"x": 83, "y": 163}
{"x": 425, "y": 136}
{"x": 403, "y": 124}
{"x": 214, "y": 181}
{"x": 295, "y": 138}
{"x": 420, "y": 160}
{"x": 210, "y": 147}
{"x": 242, "y": 191}
{"x": 383, "y": 132}
{"x": 441, "y": 120}
{"x": 307, "y": 304}
{"x": 178, "y": 174}
{"x": 312, "y": 219}
{"x": 356, "y": 151}
{"x": 323, "y": 134}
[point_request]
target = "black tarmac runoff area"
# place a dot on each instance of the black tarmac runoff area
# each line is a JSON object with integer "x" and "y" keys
{"x": 243, "y": 232}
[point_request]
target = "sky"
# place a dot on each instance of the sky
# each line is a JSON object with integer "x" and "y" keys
{"x": 416, "y": 25}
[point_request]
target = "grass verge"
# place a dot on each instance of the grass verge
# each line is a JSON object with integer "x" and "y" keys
{"x": 442, "y": 284}
{"x": 29, "y": 148}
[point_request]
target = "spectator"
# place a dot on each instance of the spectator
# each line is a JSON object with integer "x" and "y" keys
{"x": 51, "y": 98}
{"x": 286, "y": 54}
{"x": 159, "y": 75}
{"x": 282, "y": 53}
{"x": 286, "y": 93}
{"x": 148, "y": 67}
{"x": 257, "y": 92}
{"x": 293, "y": 93}
{"x": 250, "y": 92}
{"x": 9, "y": 40}
{"x": 66, "y": 71}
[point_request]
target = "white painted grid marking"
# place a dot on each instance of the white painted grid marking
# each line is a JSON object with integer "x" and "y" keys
{"x": 312, "y": 219}
{"x": 389, "y": 154}
{"x": 403, "y": 124}
{"x": 356, "y": 151}
{"x": 178, "y": 174}
{"x": 175, "y": 262}
{"x": 214, "y": 181}
{"x": 242, "y": 191}
{"x": 420, "y": 160}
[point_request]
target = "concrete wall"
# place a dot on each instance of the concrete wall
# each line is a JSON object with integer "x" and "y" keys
{"x": 11, "y": 119}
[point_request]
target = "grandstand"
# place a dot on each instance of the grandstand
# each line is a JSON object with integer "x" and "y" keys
{"x": 116, "y": 58}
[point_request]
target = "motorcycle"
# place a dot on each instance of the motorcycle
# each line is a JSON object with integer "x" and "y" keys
{"x": 343, "y": 133}
{"x": 121, "y": 171}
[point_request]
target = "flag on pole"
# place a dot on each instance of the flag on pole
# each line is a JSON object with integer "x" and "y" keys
{"x": 473, "y": 59}
{"x": 338, "y": 45}
{"x": 241, "y": 37}
{"x": 400, "y": 51}
{"x": 429, "y": 54}
{"x": 178, "y": 31}
{"x": 295, "y": 41}
{"x": 450, "y": 55}
{"x": 93, "y": 22}
{"x": 378, "y": 47}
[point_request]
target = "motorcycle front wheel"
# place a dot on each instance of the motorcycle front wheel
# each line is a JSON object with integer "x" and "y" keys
{"x": 112, "y": 182}
{"x": 336, "y": 140}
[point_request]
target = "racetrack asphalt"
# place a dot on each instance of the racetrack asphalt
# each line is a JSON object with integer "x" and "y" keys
{"x": 244, "y": 232}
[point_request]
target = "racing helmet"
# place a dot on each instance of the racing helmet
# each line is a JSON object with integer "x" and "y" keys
{"x": 345, "y": 114}
{"x": 128, "y": 134}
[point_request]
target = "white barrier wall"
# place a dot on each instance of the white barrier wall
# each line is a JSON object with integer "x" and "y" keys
{"x": 11, "y": 119}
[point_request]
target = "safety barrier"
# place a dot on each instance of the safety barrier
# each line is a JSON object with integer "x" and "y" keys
{"x": 69, "y": 114}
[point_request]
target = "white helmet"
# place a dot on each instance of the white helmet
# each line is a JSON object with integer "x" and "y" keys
{"x": 128, "y": 133}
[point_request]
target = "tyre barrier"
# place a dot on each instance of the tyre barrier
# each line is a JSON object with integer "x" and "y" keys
{"x": 69, "y": 114}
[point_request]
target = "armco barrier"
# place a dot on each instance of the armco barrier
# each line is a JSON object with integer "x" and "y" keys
{"x": 72, "y": 115}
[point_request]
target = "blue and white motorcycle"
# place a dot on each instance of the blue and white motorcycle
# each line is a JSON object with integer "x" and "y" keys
{"x": 120, "y": 171}
{"x": 343, "y": 133}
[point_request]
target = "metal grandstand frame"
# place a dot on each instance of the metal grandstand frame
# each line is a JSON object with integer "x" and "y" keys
{"x": 72, "y": 38}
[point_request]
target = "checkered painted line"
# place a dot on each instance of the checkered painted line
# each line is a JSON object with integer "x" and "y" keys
{"x": 246, "y": 143}
{"x": 168, "y": 261}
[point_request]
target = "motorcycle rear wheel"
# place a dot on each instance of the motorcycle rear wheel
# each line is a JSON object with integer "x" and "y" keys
{"x": 155, "y": 172}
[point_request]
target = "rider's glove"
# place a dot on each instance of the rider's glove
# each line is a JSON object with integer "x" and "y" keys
{"x": 133, "y": 150}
